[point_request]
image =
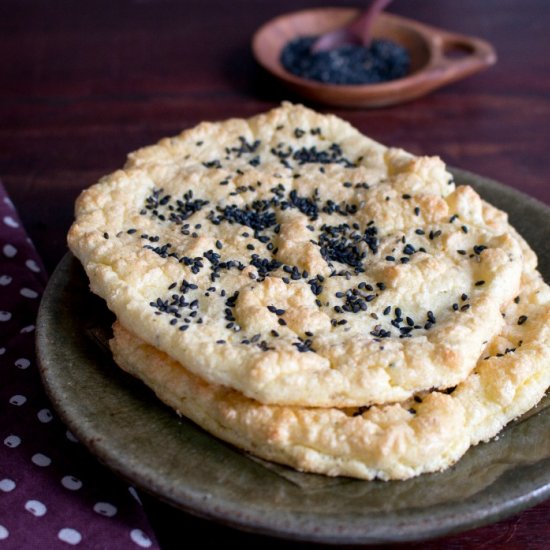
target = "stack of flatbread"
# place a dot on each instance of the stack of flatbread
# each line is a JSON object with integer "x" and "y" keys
{"x": 316, "y": 298}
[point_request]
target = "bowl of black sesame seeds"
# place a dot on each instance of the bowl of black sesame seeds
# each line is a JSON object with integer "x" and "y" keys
{"x": 406, "y": 59}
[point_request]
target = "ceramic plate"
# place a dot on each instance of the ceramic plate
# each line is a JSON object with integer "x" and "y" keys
{"x": 121, "y": 422}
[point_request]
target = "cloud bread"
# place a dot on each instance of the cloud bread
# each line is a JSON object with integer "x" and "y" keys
{"x": 396, "y": 441}
{"x": 299, "y": 262}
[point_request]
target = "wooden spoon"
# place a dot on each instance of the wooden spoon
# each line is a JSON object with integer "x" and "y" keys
{"x": 357, "y": 32}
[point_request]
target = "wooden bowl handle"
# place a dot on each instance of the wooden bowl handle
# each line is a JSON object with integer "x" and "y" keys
{"x": 476, "y": 55}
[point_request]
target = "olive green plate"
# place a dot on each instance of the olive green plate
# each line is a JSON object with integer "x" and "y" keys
{"x": 121, "y": 422}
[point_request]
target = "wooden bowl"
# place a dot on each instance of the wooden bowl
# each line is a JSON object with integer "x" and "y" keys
{"x": 438, "y": 57}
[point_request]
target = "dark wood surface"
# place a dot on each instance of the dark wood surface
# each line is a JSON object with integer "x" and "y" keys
{"x": 83, "y": 83}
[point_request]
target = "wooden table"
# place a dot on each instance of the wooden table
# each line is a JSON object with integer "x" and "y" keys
{"x": 83, "y": 83}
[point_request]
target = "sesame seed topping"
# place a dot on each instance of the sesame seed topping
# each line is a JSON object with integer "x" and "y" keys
{"x": 522, "y": 319}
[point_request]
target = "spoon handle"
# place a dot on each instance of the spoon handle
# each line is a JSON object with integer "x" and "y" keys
{"x": 357, "y": 32}
{"x": 362, "y": 26}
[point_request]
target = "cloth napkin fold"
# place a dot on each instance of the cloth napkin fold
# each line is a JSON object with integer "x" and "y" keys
{"x": 53, "y": 494}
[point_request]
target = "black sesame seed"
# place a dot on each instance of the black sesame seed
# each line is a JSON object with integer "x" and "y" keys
{"x": 478, "y": 249}
{"x": 480, "y": 283}
{"x": 387, "y": 310}
{"x": 281, "y": 321}
{"x": 522, "y": 319}
{"x": 390, "y": 259}
{"x": 417, "y": 211}
{"x": 464, "y": 228}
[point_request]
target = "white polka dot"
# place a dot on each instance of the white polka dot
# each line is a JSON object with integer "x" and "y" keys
{"x": 5, "y": 280}
{"x": 134, "y": 493}
{"x": 7, "y": 485}
{"x": 5, "y": 316}
{"x": 35, "y": 507}
{"x": 28, "y": 293}
{"x": 41, "y": 460}
{"x": 12, "y": 441}
{"x": 140, "y": 538}
{"x": 28, "y": 328}
{"x": 71, "y": 437}
{"x": 70, "y": 536}
{"x": 105, "y": 509}
{"x": 18, "y": 400}
{"x": 4, "y": 533}
{"x": 7, "y": 200}
{"x": 33, "y": 266}
{"x": 22, "y": 363}
{"x": 2, "y": 351}
{"x": 10, "y": 222}
{"x": 72, "y": 483}
{"x": 45, "y": 416}
{"x": 9, "y": 250}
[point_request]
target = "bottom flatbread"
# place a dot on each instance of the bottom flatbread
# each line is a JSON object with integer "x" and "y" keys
{"x": 396, "y": 441}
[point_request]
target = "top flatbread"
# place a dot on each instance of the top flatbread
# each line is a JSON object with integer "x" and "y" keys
{"x": 295, "y": 260}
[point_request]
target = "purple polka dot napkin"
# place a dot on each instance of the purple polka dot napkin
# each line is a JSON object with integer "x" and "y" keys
{"x": 53, "y": 494}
